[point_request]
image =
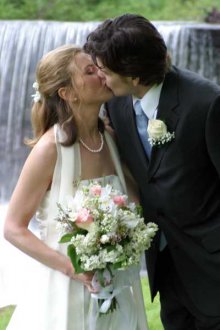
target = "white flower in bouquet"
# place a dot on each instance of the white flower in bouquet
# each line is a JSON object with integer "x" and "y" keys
{"x": 92, "y": 262}
{"x": 105, "y": 239}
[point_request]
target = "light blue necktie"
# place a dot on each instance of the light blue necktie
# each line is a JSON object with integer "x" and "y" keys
{"x": 142, "y": 122}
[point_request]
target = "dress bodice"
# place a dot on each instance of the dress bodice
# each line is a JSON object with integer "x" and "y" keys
{"x": 111, "y": 179}
{"x": 66, "y": 180}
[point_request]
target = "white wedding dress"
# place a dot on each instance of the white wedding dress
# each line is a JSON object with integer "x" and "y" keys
{"x": 51, "y": 300}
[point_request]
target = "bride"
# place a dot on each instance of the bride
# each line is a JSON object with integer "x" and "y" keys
{"x": 70, "y": 145}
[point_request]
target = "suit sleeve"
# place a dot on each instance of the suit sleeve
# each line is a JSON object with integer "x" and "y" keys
{"x": 213, "y": 133}
{"x": 108, "y": 115}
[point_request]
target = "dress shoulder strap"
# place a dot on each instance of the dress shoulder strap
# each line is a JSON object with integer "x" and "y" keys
{"x": 67, "y": 170}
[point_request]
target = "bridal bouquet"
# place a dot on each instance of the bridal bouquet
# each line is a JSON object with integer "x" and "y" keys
{"x": 105, "y": 232}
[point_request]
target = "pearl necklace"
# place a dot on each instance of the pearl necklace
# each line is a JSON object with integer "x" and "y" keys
{"x": 93, "y": 150}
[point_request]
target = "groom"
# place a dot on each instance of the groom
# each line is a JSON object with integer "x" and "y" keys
{"x": 179, "y": 175}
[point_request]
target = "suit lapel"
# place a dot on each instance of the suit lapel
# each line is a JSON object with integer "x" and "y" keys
{"x": 167, "y": 112}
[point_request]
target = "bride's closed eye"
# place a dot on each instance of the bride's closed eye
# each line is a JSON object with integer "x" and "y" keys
{"x": 91, "y": 69}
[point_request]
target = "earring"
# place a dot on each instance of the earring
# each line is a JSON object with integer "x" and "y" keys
{"x": 75, "y": 99}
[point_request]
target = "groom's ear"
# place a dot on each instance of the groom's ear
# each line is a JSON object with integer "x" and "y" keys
{"x": 135, "y": 81}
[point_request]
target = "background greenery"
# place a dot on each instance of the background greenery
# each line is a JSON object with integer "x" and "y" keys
{"x": 97, "y": 10}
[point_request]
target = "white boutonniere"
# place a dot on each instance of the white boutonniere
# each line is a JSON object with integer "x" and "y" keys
{"x": 158, "y": 134}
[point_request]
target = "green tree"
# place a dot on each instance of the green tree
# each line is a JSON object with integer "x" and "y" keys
{"x": 98, "y": 10}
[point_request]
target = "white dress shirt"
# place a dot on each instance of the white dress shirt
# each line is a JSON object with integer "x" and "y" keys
{"x": 150, "y": 101}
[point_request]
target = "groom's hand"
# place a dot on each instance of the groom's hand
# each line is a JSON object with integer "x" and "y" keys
{"x": 106, "y": 120}
{"x": 108, "y": 126}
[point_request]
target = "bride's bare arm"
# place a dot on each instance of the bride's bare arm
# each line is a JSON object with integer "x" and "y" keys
{"x": 32, "y": 185}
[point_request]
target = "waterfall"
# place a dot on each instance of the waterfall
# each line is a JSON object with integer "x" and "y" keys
{"x": 22, "y": 44}
{"x": 194, "y": 46}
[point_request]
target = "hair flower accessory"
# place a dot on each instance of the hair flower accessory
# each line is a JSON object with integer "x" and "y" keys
{"x": 37, "y": 95}
{"x": 157, "y": 131}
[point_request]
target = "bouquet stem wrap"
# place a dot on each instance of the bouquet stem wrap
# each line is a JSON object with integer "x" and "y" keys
{"x": 103, "y": 301}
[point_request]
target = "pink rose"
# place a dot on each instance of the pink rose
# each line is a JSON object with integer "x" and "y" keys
{"x": 96, "y": 190}
{"x": 119, "y": 200}
{"x": 84, "y": 219}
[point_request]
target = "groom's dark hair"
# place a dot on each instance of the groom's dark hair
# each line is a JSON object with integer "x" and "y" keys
{"x": 131, "y": 46}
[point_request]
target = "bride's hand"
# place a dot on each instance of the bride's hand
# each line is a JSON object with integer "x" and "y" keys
{"x": 86, "y": 279}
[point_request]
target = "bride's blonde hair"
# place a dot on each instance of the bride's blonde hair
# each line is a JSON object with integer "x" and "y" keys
{"x": 54, "y": 71}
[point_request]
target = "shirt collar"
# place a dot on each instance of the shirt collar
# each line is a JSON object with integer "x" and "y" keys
{"x": 150, "y": 100}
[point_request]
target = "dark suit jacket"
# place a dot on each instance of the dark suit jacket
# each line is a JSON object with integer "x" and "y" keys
{"x": 180, "y": 186}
